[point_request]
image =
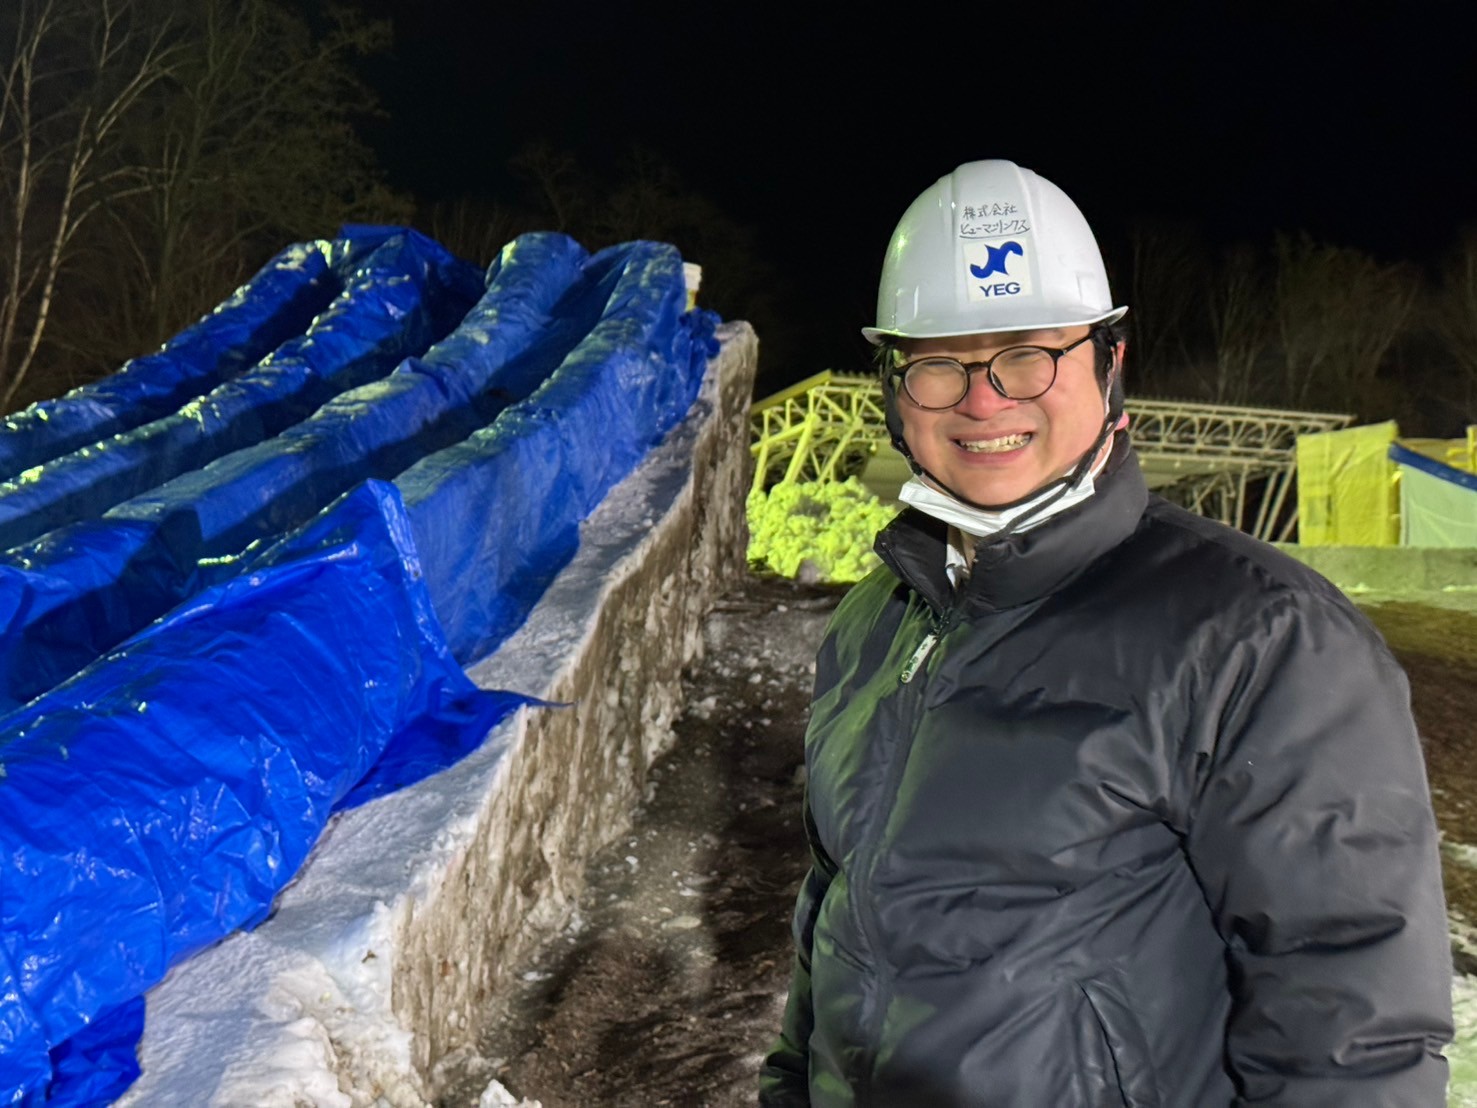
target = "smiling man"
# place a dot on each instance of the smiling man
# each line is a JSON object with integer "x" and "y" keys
{"x": 1108, "y": 804}
{"x": 983, "y": 444}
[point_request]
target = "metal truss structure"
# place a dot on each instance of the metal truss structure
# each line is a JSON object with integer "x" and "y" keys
{"x": 826, "y": 428}
{"x": 1233, "y": 464}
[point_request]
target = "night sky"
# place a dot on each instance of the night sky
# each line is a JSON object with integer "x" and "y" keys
{"x": 816, "y": 126}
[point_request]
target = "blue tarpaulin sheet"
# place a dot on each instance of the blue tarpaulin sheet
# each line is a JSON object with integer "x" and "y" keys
{"x": 545, "y": 463}
{"x": 84, "y": 588}
{"x": 160, "y": 797}
{"x": 273, "y": 306}
{"x": 406, "y": 294}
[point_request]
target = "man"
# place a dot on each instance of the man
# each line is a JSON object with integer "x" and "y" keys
{"x": 1108, "y": 804}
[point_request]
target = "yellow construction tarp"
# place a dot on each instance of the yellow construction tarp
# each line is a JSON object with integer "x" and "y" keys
{"x": 1347, "y": 493}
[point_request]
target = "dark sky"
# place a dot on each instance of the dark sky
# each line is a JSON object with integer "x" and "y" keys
{"x": 818, "y": 126}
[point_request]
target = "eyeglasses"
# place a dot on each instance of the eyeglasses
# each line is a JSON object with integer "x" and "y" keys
{"x": 1016, "y": 373}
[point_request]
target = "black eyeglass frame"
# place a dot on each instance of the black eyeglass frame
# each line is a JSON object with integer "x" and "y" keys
{"x": 900, "y": 374}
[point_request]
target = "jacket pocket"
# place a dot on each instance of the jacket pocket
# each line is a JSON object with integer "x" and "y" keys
{"x": 1124, "y": 1036}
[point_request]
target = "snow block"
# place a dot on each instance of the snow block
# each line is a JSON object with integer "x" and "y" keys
{"x": 276, "y": 304}
{"x": 381, "y": 956}
{"x": 1419, "y": 574}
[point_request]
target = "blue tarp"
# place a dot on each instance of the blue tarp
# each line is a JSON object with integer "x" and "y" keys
{"x": 84, "y": 588}
{"x": 1403, "y": 455}
{"x": 406, "y": 294}
{"x": 272, "y": 307}
{"x": 496, "y": 516}
{"x": 161, "y": 797}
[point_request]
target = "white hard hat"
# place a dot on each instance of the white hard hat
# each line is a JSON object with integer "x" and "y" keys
{"x": 991, "y": 247}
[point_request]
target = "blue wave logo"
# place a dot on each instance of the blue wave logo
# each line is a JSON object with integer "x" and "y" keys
{"x": 995, "y": 257}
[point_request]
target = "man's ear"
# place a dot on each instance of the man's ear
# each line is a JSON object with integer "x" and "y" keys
{"x": 1114, "y": 398}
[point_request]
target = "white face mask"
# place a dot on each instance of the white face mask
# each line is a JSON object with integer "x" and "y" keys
{"x": 984, "y": 522}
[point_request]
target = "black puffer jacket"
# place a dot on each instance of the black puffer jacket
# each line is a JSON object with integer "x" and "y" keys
{"x": 1148, "y": 826}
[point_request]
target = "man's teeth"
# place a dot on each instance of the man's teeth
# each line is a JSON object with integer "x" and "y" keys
{"x": 995, "y": 446}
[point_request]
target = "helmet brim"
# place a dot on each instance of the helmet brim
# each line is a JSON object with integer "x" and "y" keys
{"x": 954, "y": 328}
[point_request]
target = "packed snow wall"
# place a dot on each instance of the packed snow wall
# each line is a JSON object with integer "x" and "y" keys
{"x": 380, "y": 960}
{"x": 252, "y": 602}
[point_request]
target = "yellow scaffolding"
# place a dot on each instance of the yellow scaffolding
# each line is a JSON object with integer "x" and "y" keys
{"x": 821, "y": 429}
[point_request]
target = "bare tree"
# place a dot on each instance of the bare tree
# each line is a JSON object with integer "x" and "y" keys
{"x": 474, "y": 227}
{"x": 252, "y": 145}
{"x": 1168, "y": 293}
{"x": 560, "y": 186}
{"x": 153, "y": 154}
{"x": 76, "y": 73}
{"x": 646, "y": 198}
{"x": 1338, "y": 312}
{"x": 1453, "y": 320}
{"x": 1241, "y": 325}
{"x": 649, "y": 199}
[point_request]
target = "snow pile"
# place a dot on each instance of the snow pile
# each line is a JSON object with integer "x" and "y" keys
{"x": 816, "y": 530}
{"x": 1462, "y": 1054}
{"x": 380, "y": 958}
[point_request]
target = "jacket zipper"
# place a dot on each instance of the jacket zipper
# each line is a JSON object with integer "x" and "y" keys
{"x": 915, "y": 663}
{"x": 940, "y": 627}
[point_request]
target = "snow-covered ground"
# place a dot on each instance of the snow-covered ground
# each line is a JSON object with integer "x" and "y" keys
{"x": 1462, "y": 1054}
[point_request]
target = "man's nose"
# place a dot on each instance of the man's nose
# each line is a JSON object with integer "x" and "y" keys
{"x": 982, "y": 401}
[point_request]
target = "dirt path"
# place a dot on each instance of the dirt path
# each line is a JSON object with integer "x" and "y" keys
{"x": 671, "y": 984}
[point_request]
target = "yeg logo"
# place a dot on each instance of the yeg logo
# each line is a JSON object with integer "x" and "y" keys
{"x": 993, "y": 259}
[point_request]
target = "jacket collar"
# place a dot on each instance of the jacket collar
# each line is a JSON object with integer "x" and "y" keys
{"x": 1020, "y": 568}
